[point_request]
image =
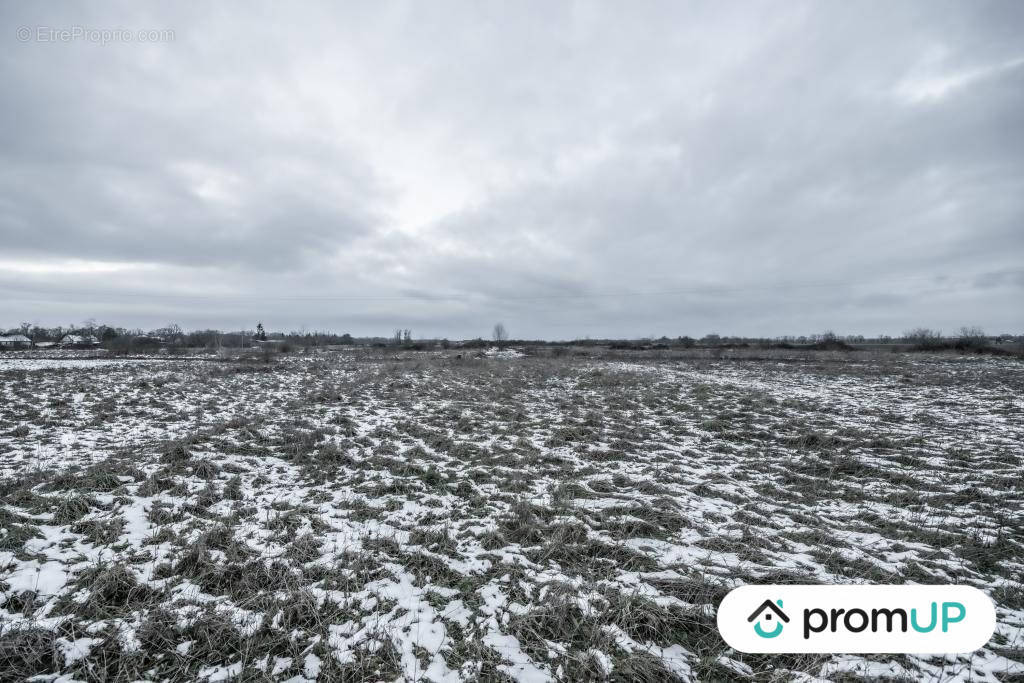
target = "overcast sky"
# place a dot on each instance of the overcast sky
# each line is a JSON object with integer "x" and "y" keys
{"x": 571, "y": 169}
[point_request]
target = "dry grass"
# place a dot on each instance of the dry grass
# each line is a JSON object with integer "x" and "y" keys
{"x": 375, "y": 515}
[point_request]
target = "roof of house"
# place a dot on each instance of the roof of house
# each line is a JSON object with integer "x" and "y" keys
{"x": 766, "y": 605}
{"x": 15, "y": 338}
{"x": 78, "y": 339}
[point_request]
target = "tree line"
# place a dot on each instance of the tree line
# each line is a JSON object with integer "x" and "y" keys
{"x": 121, "y": 339}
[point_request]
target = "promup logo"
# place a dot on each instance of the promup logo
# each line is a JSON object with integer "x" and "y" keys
{"x": 910, "y": 619}
{"x": 764, "y": 613}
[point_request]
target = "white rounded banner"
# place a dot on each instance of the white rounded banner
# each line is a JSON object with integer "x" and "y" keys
{"x": 862, "y": 619}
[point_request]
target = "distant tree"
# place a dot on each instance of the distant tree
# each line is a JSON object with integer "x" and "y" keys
{"x": 500, "y": 334}
{"x": 397, "y": 337}
{"x": 121, "y": 344}
{"x": 346, "y": 339}
{"x": 922, "y": 337}
{"x": 407, "y": 336}
{"x": 172, "y": 333}
{"x": 972, "y": 338}
{"x": 260, "y": 334}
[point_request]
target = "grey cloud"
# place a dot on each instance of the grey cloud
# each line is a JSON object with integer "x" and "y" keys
{"x": 752, "y": 169}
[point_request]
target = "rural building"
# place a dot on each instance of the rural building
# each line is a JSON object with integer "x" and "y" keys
{"x": 14, "y": 341}
{"x": 78, "y": 341}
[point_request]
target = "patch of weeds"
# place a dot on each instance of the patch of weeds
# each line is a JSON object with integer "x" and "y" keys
{"x": 215, "y": 639}
{"x": 158, "y": 632}
{"x": 695, "y": 590}
{"x": 524, "y": 523}
{"x": 100, "y": 531}
{"x": 155, "y": 483}
{"x": 28, "y": 651}
{"x": 301, "y": 609}
{"x": 108, "y": 659}
{"x": 492, "y": 540}
{"x": 286, "y": 523}
{"x": 1010, "y": 595}
{"x": 593, "y": 558}
{"x": 99, "y": 477}
{"x": 161, "y": 512}
{"x": 304, "y": 549}
{"x": 205, "y": 469}
{"x": 375, "y": 660}
{"x": 176, "y": 452}
{"x": 113, "y": 591}
{"x": 164, "y": 535}
{"x": 646, "y": 621}
{"x": 813, "y": 440}
{"x": 352, "y": 571}
{"x": 987, "y": 556}
{"x": 23, "y": 603}
{"x": 16, "y": 531}
{"x": 562, "y": 621}
{"x": 432, "y": 478}
{"x": 233, "y": 488}
{"x": 642, "y": 666}
{"x": 71, "y": 508}
{"x": 435, "y": 540}
{"x": 429, "y": 569}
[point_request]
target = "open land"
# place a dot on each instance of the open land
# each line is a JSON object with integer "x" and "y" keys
{"x": 446, "y": 516}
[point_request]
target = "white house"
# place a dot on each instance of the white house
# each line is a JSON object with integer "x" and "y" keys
{"x": 78, "y": 340}
{"x": 14, "y": 341}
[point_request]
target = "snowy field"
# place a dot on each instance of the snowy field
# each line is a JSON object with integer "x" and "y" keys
{"x": 368, "y": 516}
{"x": 29, "y": 363}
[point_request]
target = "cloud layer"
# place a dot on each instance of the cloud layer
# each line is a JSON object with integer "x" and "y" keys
{"x": 571, "y": 169}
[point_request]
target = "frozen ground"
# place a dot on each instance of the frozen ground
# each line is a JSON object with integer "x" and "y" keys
{"x": 30, "y": 363}
{"x": 372, "y": 517}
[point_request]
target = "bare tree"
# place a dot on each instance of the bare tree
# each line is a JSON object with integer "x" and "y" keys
{"x": 972, "y": 338}
{"x": 500, "y": 334}
{"x": 397, "y": 337}
{"x": 922, "y": 337}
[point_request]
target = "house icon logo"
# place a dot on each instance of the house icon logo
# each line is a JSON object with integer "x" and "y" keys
{"x": 856, "y": 618}
{"x": 767, "y": 612}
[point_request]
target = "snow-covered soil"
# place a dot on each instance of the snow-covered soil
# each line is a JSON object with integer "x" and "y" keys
{"x": 423, "y": 517}
{"x": 68, "y": 363}
{"x": 495, "y": 352}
